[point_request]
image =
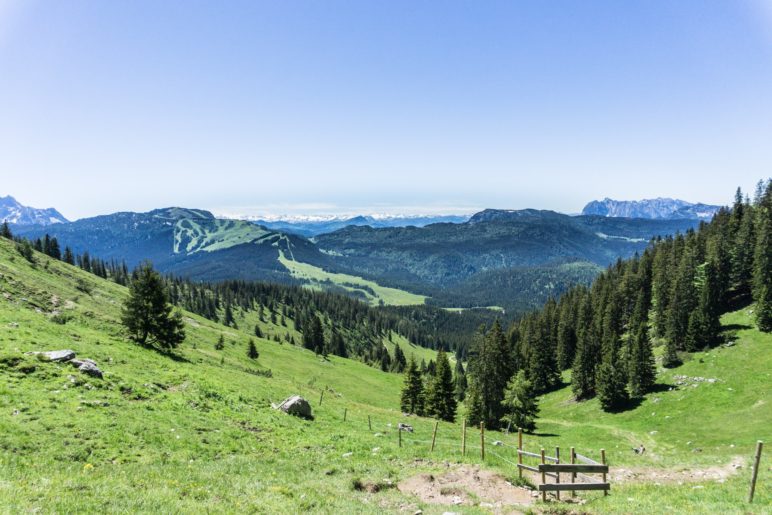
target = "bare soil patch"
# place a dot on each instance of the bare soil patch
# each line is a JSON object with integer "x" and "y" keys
{"x": 676, "y": 475}
{"x": 467, "y": 486}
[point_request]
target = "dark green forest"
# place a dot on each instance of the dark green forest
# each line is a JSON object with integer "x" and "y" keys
{"x": 671, "y": 295}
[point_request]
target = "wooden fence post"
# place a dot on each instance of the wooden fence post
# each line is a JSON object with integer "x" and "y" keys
{"x": 603, "y": 461}
{"x": 345, "y": 413}
{"x": 482, "y": 440}
{"x": 756, "y": 461}
{"x": 321, "y": 396}
{"x": 543, "y": 478}
{"x": 519, "y": 448}
{"x": 463, "y": 437}
{"x": 399, "y": 433}
{"x": 573, "y": 474}
{"x": 369, "y": 423}
{"x": 434, "y": 434}
{"x": 557, "y": 477}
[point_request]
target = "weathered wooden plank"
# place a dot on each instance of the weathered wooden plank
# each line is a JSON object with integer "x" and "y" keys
{"x": 587, "y": 460}
{"x": 564, "y": 487}
{"x": 534, "y": 469}
{"x": 568, "y": 468}
{"x": 534, "y": 455}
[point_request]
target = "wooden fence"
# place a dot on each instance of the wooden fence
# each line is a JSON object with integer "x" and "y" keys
{"x": 579, "y": 468}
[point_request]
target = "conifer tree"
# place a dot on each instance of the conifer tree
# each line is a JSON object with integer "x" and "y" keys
{"x": 258, "y": 332}
{"x": 147, "y": 314}
{"x": 440, "y": 398}
{"x": 228, "y": 319}
{"x": 611, "y": 385}
{"x": 520, "y": 403}
{"x": 460, "y": 380}
{"x": 68, "y": 256}
{"x": 220, "y": 345}
{"x": 399, "y": 362}
{"x": 252, "y": 350}
{"x": 683, "y": 300}
{"x": 489, "y": 370}
{"x": 583, "y": 370}
{"x": 762, "y": 263}
{"x": 412, "y": 397}
{"x": 704, "y": 324}
{"x": 313, "y": 336}
{"x": 5, "y": 231}
{"x": 641, "y": 366}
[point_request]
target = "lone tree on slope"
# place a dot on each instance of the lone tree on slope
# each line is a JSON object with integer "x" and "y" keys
{"x": 147, "y": 313}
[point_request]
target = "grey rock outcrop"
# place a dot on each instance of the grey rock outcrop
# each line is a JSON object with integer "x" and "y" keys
{"x": 88, "y": 367}
{"x": 296, "y": 406}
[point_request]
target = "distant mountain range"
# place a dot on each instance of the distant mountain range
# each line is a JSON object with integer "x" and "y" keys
{"x": 658, "y": 209}
{"x": 512, "y": 259}
{"x": 313, "y": 226}
{"x": 13, "y": 212}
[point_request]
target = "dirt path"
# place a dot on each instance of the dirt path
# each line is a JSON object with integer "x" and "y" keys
{"x": 468, "y": 485}
{"x": 676, "y": 475}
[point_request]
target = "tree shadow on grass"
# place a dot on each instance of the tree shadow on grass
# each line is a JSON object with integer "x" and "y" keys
{"x": 543, "y": 435}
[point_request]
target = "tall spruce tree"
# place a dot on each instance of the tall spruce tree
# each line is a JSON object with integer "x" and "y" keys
{"x": 762, "y": 262}
{"x": 412, "y": 396}
{"x": 704, "y": 324}
{"x": 683, "y": 299}
{"x": 642, "y": 371}
{"x": 5, "y": 231}
{"x": 460, "y": 380}
{"x": 489, "y": 369}
{"x": 252, "y": 350}
{"x": 583, "y": 370}
{"x": 147, "y": 313}
{"x": 520, "y": 403}
{"x": 440, "y": 398}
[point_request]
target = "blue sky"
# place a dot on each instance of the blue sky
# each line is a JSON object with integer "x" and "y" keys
{"x": 329, "y": 106}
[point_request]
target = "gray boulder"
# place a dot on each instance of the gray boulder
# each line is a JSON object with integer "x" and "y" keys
{"x": 88, "y": 367}
{"x": 296, "y": 406}
{"x": 56, "y": 355}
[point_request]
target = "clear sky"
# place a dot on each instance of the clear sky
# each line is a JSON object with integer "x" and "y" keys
{"x": 326, "y": 105}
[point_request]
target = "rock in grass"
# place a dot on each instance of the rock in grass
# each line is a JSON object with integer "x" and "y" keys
{"x": 88, "y": 367}
{"x": 296, "y": 406}
{"x": 55, "y": 355}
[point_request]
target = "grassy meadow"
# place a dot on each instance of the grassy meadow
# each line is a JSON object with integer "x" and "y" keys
{"x": 369, "y": 291}
{"x": 196, "y": 432}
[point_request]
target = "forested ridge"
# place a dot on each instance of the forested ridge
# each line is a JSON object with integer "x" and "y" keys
{"x": 330, "y": 323}
{"x": 671, "y": 295}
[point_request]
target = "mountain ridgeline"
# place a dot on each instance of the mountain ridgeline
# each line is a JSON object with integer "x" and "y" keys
{"x": 671, "y": 295}
{"x": 502, "y": 249}
{"x": 522, "y": 257}
{"x": 658, "y": 208}
{"x": 13, "y": 212}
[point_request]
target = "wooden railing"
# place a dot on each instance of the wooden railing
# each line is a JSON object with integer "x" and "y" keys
{"x": 580, "y": 478}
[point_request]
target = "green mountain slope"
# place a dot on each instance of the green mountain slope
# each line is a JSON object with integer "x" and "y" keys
{"x": 197, "y": 433}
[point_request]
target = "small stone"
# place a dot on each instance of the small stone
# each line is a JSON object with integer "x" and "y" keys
{"x": 498, "y": 443}
{"x": 348, "y": 454}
